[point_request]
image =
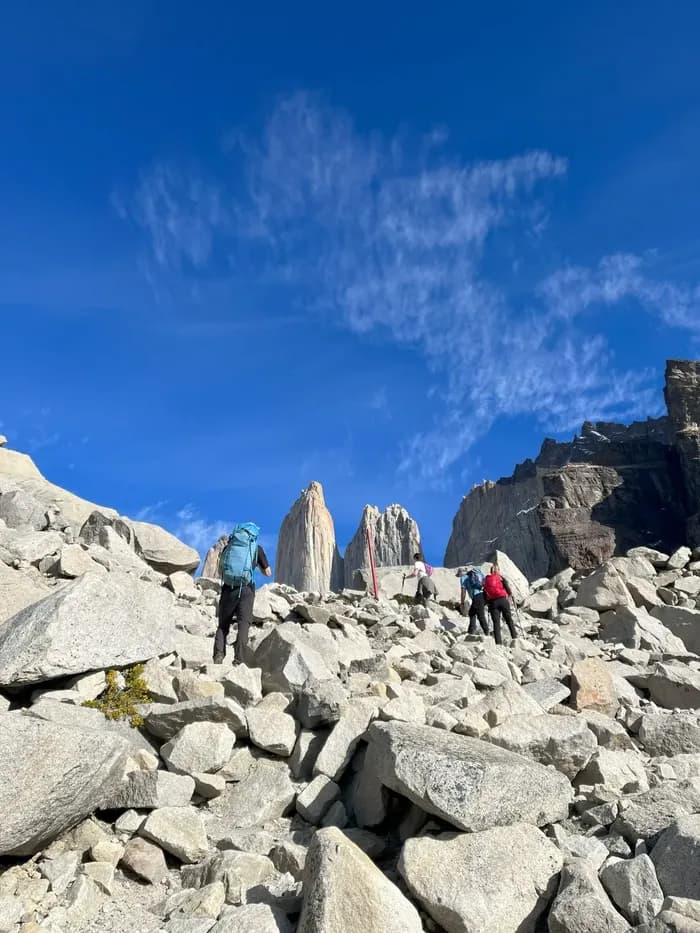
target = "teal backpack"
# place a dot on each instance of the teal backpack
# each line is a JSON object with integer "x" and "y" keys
{"x": 240, "y": 556}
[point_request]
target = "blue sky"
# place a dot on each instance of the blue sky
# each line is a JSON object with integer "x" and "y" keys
{"x": 389, "y": 248}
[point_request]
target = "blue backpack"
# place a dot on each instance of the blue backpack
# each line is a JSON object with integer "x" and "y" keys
{"x": 240, "y": 556}
{"x": 473, "y": 581}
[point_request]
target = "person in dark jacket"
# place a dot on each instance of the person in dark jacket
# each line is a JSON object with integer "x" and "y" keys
{"x": 498, "y": 593}
{"x": 237, "y": 602}
{"x": 472, "y": 584}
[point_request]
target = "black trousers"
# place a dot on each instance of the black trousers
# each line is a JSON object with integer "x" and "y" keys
{"x": 234, "y": 603}
{"x": 477, "y": 610}
{"x": 498, "y": 607}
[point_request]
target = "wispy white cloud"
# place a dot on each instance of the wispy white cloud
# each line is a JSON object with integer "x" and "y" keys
{"x": 572, "y": 290}
{"x": 395, "y": 236}
{"x": 181, "y": 212}
{"x": 186, "y": 523}
{"x": 198, "y": 532}
{"x": 152, "y": 512}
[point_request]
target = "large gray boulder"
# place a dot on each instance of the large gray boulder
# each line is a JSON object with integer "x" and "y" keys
{"x": 636, "y": 628}
{"x": 178, "y": 830}
{"x": 288, "y": 659}
{"x": 17, "y": 591}
{"x": 51, "y": 777}
{"x": 92, "y": 623}
{"x": 672, "y": 686}
{"x": 472, "y": 784}
{"x": 683, "y": 622}
{"x": 73, "y": 510}
{"x": 265, "y": 793}
{"x": 89, "y": 720}
{"x": 646, "y": 815}
{"x": 344, "y": 892}
{"x": 670, "y": 732}
{"x": 676, "y": 857}
{"x": 565, "y": 742}
{"x": 604, "y": 589}
{"x": 581, "y": 904}
{"x": 163, "y": 551}
{"x": 634, "y": 888}
{"x": 199, "y": 747}
{"x": 344, "y": 737}
{"x": 468, "y": 885}
{"x": 18, "y": 509}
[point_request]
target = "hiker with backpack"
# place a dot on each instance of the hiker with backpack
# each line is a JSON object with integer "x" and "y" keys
{"x": 239, "y": 559}
{"x": 426, "y": 585}
{"x": 498, "y": 594}
{"x": 472, "y": 583}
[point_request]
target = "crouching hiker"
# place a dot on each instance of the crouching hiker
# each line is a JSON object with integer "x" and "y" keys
{"x": 472, "y": 583}
{"x": 498, "y": 593}
{"x": 237, "y": 565}
{"x": 426, "y": 585}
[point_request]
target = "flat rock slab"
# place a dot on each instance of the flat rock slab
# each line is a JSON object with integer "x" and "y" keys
{"x": 93, "y": 623}
{"x": 178, "y": 830}
{"x": 344, "y": 892}
{"x": 468, "y": 886}
{"x": 565, "y": 742}
{"x": 165, "y": 720}
{"x": 151, "y": 790}
{"x": 199, "y": 746}
{"x": 469, "y": 783}
{"x": 51, "y": 777}
{"x": 266, "y": 793}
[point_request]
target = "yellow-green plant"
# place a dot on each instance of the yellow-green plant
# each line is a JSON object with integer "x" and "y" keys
{"x": 120, "y": 702}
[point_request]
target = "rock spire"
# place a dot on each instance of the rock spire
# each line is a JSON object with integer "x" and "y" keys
{"x": 395, "y": 538}
{"x": 307, "y": 555}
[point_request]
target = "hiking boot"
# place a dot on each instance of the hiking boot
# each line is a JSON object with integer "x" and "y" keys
{"x": 219, "y": 657}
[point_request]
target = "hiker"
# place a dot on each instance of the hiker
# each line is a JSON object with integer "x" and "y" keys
{"x": 237, "y": 565}
{"x": 472, "y": 583}
{"x": 426, "y": 586}
{"x": 498, "y": 593}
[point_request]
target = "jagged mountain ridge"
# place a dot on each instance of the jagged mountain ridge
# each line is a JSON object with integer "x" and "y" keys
{"x": 580, "y": 502}
{"x": 576, "y": 504}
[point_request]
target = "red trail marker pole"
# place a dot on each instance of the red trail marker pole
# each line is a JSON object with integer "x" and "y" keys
{"x": 371, "y": 564}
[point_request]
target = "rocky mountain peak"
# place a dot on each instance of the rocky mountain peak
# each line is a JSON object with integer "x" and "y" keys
{"x": 582, "y": 501}
{"x": 682, "y": 394}
{"x": 395, "y": 539}
{"x": 307, "y": 554}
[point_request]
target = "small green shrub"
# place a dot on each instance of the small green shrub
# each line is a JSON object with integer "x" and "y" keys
{"x": 120, "y": 702}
